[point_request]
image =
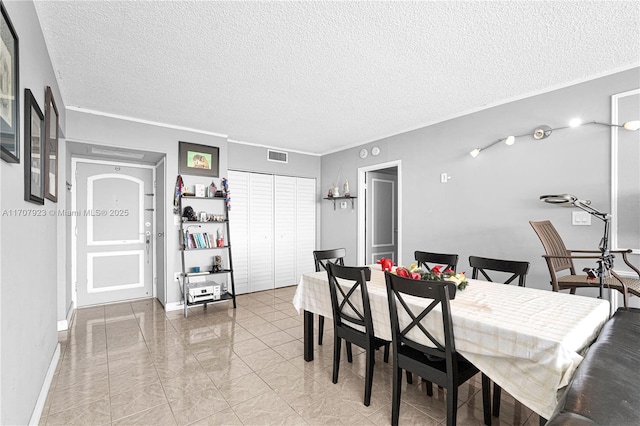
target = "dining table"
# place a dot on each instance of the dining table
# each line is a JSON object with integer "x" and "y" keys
{"x": 528, "y": 341}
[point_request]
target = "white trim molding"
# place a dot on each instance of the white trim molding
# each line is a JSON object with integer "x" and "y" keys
{"x": 360, "y": 244}
{"x": 44, "y": 391}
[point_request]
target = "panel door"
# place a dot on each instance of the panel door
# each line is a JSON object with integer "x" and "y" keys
{"x": 285, "y": 231}
{"x": 239, "y": 227}
{"x": 260, "y": 232}
{"x": 114, "y": 233}
{"x": 381, "y": 216}
{"x": 305, "y": 225}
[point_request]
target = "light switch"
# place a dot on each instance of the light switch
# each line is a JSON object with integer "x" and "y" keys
{"x": 343, "y": 204}
{"x": 580, "y": 218}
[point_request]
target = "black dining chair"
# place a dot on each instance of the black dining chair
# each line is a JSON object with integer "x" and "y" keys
{"x": 435, "y": 360}
{"x": 352, "y": 319}
{"x": 517, "y": 270}
{"x": 427, "y": 260}
{"x": 321, "y": 258}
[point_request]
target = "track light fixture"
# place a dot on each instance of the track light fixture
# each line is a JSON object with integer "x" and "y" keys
{"x": 544, "y": 131}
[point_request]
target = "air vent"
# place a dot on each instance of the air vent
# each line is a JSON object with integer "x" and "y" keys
{"x": 277, "y": 156}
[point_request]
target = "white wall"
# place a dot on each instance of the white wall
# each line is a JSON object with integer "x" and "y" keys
{"x": 29, "y": 261}
{"x": 485, "y": 208}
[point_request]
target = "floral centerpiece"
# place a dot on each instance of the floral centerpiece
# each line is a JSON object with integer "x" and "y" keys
{"x": 416, "y": 273}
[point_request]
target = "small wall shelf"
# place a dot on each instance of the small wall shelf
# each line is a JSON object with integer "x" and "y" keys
{"x": 341, "y": 198}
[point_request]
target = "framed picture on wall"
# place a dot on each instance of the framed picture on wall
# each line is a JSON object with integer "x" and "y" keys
{"x": 199, "y": 160}
{"x": 51, "y": 147}
{"x": 33, "y": 150}
{"x": 9, "y": 108}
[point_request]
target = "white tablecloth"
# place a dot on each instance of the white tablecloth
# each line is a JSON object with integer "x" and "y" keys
{"x": 528, "y": 341}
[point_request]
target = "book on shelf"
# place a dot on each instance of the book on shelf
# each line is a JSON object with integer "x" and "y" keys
{"x": 199, "y": 240}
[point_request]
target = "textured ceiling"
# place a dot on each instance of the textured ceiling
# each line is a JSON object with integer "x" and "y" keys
{"x": 320, "y": 76}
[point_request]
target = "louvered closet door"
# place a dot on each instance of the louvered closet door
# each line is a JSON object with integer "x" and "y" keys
{"x": 260, "y": 232}
{"x": 285, "y": 231}
{"x": 305, "y": 225}
{"x": 239, "y": 227}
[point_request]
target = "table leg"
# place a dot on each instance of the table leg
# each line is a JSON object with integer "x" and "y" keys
{"x": 308, "y": 336}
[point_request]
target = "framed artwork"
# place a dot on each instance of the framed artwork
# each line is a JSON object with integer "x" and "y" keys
{"x": 33, "y": 150}
{"x": 51, "y": 147}
{"x": 199, "y": 160}
{"x": 9, "y": 106}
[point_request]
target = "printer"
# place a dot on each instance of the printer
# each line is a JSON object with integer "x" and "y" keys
{"x": 203, "y": 291}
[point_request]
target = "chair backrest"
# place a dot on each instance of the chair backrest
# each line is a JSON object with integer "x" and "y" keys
{"x": 322, "y": 257}
{"x": 553, "y": 246}
{"x": 349, "y": 297}
{"x": 438, "y": 293}
{"x": 517, "y": 269}
{"x": 449, "y": 261}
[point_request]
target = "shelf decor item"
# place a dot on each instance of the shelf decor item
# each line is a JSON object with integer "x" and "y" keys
{"x": 9, "y": 87}
{"x": 198, "y": 160}
{"x": 33, "y": 150}
{"x": 51, "y": 147}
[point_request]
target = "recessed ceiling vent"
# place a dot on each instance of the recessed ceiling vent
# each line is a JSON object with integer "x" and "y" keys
{"x": 277, "y": 156}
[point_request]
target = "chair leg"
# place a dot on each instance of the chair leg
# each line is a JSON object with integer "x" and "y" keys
{"x": 368, "y": 379}
{"x": 386, "y": 352}
{"x": 486, "y": 399}
{"x": 429, "y": 388}
{"x": 395, "y": 397}
{"x": 320, "y": 328}
{"x": 452, "y": 405}
{"x": 349, "y": 352}
{"x": 337, "y": 343}
{"x": 497, "y": 393}
{"x": 409, "y": 377}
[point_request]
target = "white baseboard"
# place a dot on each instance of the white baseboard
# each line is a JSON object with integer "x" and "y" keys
{"x": 173, "y": 306}
{"x": 42, "y": 398}
{"x": 63, "y": 325}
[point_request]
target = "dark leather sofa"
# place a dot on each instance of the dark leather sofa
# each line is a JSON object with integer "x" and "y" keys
{"x": 605, "y": 389}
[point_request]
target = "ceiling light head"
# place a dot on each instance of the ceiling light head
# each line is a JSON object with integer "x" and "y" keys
{"x": 475, "y": 152}
{"x": 510, "y": 140}
{"x": 575, "y": 122}
{"x": 542, "y": 132}
{"x": 632, "y": 125}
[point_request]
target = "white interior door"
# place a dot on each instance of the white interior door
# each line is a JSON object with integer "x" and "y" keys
{"x": 239, "y": 227}
{"x": 260, "y": 232}
{"x": 305, "y": 225}
{"x": 114, "y": 233}
{"x": 285, "y": 231}
{"x": 381, "y": 217}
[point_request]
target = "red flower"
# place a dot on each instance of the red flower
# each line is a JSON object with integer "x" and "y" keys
{"x": 403, "y": 272}
{"x": 449, "y": 271}
{"x": 436, "y": 269}
{"x": 416, "y": 276}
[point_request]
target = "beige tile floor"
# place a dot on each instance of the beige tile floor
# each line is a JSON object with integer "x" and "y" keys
{"x": 133, "y": 364}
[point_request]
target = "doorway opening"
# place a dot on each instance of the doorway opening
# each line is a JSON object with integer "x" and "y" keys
{"x": 117, "y": 225}
{"x": 380, "y": 213}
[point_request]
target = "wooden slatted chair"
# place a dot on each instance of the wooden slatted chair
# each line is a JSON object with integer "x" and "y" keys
{"x": 559, "y": 259}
